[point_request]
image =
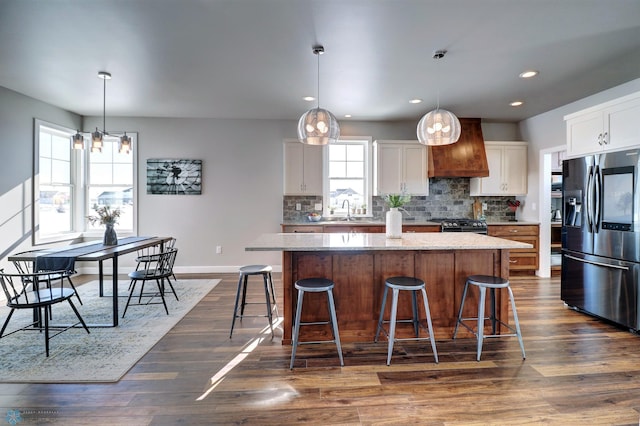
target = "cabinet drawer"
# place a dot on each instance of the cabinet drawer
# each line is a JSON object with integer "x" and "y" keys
{"x": 420, "y": 228}
{"x": 509, "y": 230}
{"x": 302, "y": 228}
{"x": 523, "y": 261}
{"x": 533, "y": 240}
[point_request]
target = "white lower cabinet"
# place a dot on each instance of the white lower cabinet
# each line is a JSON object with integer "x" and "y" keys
{"x": 507, "y": 170}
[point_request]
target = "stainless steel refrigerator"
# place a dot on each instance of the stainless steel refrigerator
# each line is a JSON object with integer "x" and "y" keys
{"x": 601, "y": 236}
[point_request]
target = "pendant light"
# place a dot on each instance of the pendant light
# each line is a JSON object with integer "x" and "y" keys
{"x": 318, "y": 126}
{"x": 438, "y": 127}
{"x": 97, "y": 137}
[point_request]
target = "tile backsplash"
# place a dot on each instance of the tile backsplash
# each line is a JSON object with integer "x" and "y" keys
{"x": 448, "y": 198}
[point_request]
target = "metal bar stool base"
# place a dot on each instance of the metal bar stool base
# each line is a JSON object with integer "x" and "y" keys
{"x": 269, "y": 292}
{"x": 315, "y": 285}
{"x": 395, "y": 284}
{"x": 484, "y": 282}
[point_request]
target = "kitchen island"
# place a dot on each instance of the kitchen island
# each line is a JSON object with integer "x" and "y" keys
{"x": 359, "y": 263}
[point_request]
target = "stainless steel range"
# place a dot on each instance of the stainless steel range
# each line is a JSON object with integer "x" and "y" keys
{"x": 463, "y": 225}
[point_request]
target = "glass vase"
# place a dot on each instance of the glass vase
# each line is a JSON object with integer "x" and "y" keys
{"x": 110, "y": 236}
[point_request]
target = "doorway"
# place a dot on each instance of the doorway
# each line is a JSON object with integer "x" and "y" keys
{"x": 550, "y": 164}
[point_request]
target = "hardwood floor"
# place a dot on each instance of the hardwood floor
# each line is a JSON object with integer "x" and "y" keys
{"x": 578, "y": 370}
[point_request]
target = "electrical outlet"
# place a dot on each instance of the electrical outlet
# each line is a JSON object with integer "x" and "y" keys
{"x": 318, "y": 207}
{"x": 484, "y": 206}
{"x": 298, "y": 206}
{"x": 218, "y": 249}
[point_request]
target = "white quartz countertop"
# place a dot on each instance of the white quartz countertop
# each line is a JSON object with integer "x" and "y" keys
{"x": 379, "y": 241}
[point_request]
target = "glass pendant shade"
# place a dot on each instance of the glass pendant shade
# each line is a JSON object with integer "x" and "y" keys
{"x": 125, "y": 145}
{"x": 96, "y": 141}
{"x": 438, "y": 127}
{"x": 318, "y": 127}
{"x": 77, "y": 141}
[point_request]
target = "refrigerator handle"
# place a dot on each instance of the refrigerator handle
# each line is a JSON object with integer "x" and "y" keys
{"x": 592, "y": 262}
{"x": 596, "y": 207}
{"x": 588, "y": 200}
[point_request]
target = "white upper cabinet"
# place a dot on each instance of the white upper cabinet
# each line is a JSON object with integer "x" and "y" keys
{"x": 400, "y": 166}
{"x": 507, "y": 170}
{"x": 302, "y": 169}
{"x": 611, "y": 126}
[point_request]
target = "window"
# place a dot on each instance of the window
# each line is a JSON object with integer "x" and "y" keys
{"x": 68, "y": 183}
{"x": 110, "y": 182}
{"x": 348, "y": 175}
{"x": 54, "y": 183}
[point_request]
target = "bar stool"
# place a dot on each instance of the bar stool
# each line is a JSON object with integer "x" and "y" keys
{"x": 484, "y": 282}
{"x": 395, "y": 284}
{"x": 269, "y": 292}
{"x": 315, "y": 285}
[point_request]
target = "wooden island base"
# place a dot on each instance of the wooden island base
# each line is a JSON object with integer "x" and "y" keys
{"x": 359, "y": 278}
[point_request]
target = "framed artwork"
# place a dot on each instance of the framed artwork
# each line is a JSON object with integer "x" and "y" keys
{"x": 171, "y": 176}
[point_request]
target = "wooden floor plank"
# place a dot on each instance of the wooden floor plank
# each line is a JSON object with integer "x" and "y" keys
{"x": 578, "y": 370}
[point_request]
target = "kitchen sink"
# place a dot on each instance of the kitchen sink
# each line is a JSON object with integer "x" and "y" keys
{"x": 350, "y": 220}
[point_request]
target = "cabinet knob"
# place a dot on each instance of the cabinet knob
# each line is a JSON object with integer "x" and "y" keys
{"x": 513, "y": 261}
{"x": 604, "y": 138}
{"x": 513, "y": 230}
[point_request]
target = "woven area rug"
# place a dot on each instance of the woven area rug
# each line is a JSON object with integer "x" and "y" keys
{"x": 105, "y": 354}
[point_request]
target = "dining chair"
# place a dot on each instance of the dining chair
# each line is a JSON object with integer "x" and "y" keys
{"x": 148, "y": 255}
{"x": 158, "y": 270}
{"x": 21, "y": 293}
{"x": 65, "y": 268}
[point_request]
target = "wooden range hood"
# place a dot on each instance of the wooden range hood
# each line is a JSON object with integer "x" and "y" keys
{"x": 465, "y": 158}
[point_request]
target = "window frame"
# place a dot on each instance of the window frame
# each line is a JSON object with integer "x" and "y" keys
{"x": 367, "y": 143}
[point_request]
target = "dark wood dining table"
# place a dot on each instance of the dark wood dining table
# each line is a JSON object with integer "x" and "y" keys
{"x": 96, "y": 252}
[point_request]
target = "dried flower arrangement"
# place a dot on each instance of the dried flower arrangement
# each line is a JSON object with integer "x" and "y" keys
{"x": 106, "y": 215}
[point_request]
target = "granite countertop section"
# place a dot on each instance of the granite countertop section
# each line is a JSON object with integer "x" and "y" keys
{"x": 379, "y": 241}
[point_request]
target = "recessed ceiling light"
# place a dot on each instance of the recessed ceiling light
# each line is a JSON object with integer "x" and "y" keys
{"x": 516, "y": 103}
{"x": 309, "y": 98}
{"x": 528, "y": 74}
{"x": 415, "y": 101}
{"x": 347, "y": 116}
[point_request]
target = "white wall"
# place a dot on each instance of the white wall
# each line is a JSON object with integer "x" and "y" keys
{"x": 17, "y": 113}
{"x": 546, "y": 133}
{"x": 242, "y": 177}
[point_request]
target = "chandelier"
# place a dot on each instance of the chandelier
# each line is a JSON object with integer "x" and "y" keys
{"x": 318, "y": 126}
{"x": 438, "y": 127}
{"x": 97, "y": 137}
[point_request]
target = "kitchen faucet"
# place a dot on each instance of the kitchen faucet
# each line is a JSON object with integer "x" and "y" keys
{"x": 348, "y": 209}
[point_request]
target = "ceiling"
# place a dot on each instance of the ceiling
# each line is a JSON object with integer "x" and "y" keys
{"x": 253, "y": 58}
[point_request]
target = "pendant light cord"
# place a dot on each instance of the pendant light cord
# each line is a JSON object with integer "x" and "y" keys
{"x": 104, "y": 106}
{"x": 318, "y": 55}
{"x": 437, "y": 86}
{"x": 438, "y": 54}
